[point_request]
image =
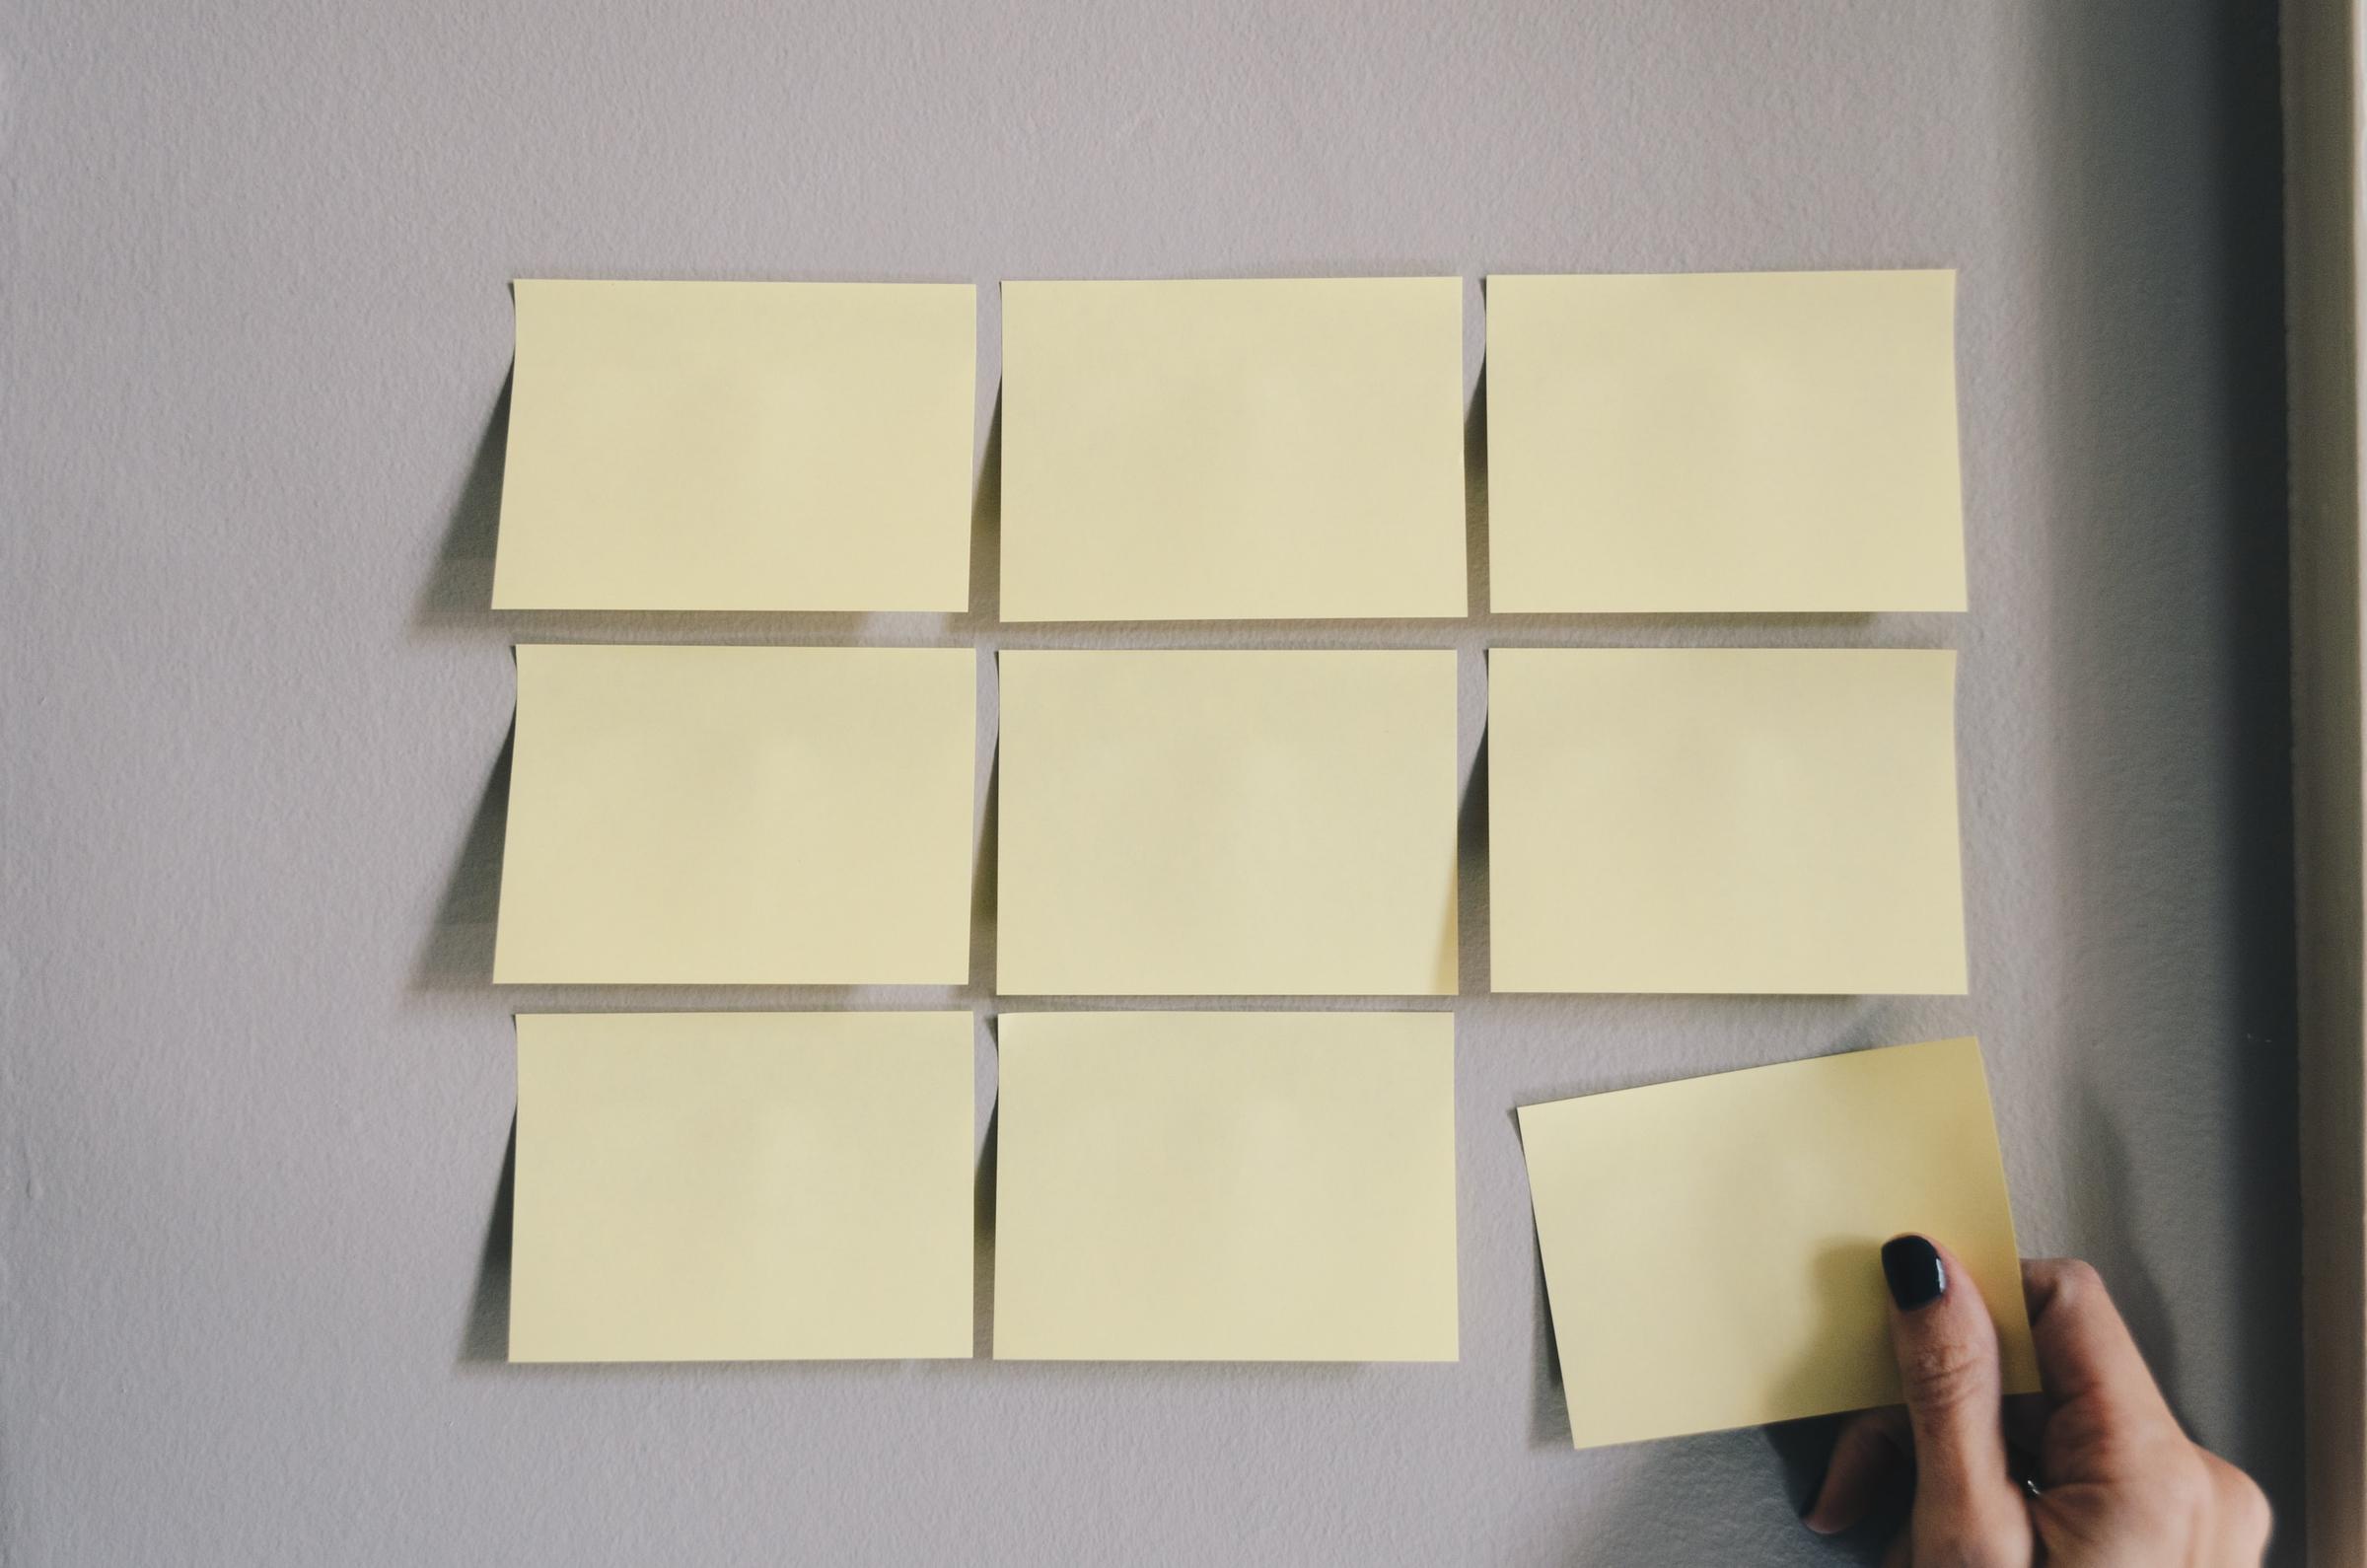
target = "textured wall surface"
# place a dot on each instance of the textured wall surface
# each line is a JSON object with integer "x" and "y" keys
{"x": 256, "y": 1089}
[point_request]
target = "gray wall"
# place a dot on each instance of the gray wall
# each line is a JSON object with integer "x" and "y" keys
{"x": 254, "y": 1089}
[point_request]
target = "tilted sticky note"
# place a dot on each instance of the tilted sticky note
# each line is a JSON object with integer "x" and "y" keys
{"x": 1778, "y": 441}
{"x": 739, "y": 446}
{"x": 740, "y": 816}
{"x": 1233, "y": 449}
{"x": 1225, "y": 1187}
{"x": 1723, "y": 820}
{"x": 743, "y": 1186}
{"x": 1711, "y": 1248}
{"x": 1226, "y": 823}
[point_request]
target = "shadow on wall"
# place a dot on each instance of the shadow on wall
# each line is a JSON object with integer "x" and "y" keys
{"x": 2172, "y": 646}
{"x": 1470, "y": 927}
{"x": 985, "y": 880}
{"x": 1474, "y": 487}
{"x": 981, "y": 1291}
{"x": 460, "y": 584}
{"x": 459, "y": 951}
{"x": 485, "y": 1336}
{"x": 986, "y": 526}
{"x": 1548, "y": 1397}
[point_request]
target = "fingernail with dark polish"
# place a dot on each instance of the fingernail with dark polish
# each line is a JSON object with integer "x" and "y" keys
{"x": 1912, "y": 1268}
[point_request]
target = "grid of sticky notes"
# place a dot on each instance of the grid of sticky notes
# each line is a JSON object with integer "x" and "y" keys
{"x": 1707, "y": 1244}
{"x": 1213, "y": 822}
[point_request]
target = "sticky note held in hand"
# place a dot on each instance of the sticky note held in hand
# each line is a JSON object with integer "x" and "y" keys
{"x": 1712, "y": 1246}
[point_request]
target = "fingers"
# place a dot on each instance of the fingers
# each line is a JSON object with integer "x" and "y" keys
{"x": 2085, "y": 1352}
{"x": 1869, "y": 1448}
{"x": 2112, "y": 1440}
{"x": 2241, "y": 1518}
{"x": 1948, "y": 1367}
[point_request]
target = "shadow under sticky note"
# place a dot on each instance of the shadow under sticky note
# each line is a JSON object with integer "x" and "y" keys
{"x": 740, "y": 816}
{"x": 1226, "y": 1186}
{"x": 739, "y": 1187}
{"x": 1724, "y": 442}
{"x": 1711, "y": 1246}
{"x": 1233, "y": 449}
{"x": 1724, "y": 820}
{"x": 1227, "y": 823}
{"x": 739, "y": 446}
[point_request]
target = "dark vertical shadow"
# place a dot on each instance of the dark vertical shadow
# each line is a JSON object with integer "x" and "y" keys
{"x": 986, "y": 524}
{"x": 460, "y": 945}
{"x": 486, "y": 1334}
{"x": 1803, "y": 1448}
{"x": 1475, "y": 489}
{"x": 982, "y": 1224}
{"x": 2254, "y": 562}
{"x": 985, "y": 883}
{"x": 2110, "y": 1186}
{"x": 2161, "y": 391}
{"x": 1471, "y": 880}
{"x": 461, "y": 582}
{"x": 1548, "y": 1400}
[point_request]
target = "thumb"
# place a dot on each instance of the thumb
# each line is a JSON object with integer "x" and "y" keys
{"x": 1966, "y": 1508}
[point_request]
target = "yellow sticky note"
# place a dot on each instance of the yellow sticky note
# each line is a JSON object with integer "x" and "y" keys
{"x": 740, "y": 816}
{"x": 1745, "y": 441}
{"x": 1232, "y": 823}
{"x": 1225, "y": 1187}
{"x": 742, "y": 1186}
{"x": 1723, "y": 820}
{"x": 1233, "y": 449}
{"x": 739, "y": 446}
{"x": 1712, "y": 1247}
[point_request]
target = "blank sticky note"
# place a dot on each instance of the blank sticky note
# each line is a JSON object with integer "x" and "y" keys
{"x": 739, "y": 446}
{"x": 1711, "y": 1248}
{"x": 1232, "y": 823}
{"x": 1745, "y": 440}
{"x": 1233, "y": 449}
{"x": 1225, "y": 1187}
{"x": 740, "y": 816}
{"x": 742, "y": 1186}
{"x": 1723, "y": 820}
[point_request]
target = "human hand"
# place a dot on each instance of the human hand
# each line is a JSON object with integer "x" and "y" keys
{"x": 2114, "y": 1482}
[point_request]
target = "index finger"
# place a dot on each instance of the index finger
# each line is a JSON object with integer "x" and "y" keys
{"x": 2084, "y": 1349}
